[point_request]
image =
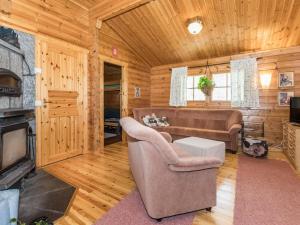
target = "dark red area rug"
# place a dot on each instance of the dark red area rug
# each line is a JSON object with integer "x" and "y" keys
{"x": 131, "y": 211}
{"x": 267, "y": 193}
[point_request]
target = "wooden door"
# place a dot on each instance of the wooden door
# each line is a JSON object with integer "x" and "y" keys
{"x": 61, "y": 87}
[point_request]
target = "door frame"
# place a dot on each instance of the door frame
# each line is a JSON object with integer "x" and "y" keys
{"x": 124, "y": 91}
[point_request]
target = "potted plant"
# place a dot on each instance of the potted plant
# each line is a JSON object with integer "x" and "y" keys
{"x": 206, "y": 85}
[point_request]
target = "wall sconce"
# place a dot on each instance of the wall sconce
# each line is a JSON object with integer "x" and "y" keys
{"x": 265, "y": 79}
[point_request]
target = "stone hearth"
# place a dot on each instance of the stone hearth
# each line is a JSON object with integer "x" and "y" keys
{"x": 44, "y": 195}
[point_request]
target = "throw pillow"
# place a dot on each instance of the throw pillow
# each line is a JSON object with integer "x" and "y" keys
{"x": 150, "y": 121}
{"x": 154, "y": 121}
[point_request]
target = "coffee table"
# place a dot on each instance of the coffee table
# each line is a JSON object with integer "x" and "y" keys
{"x": 202, "y": 147}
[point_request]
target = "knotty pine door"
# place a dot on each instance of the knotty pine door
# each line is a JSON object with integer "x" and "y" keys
{"x": 62, "y": 89}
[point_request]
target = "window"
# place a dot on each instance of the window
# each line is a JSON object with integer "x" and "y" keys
{"x": 193, "y": 93}
{"x": 222, "y": 90}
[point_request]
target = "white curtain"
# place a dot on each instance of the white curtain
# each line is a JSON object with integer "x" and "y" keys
{"x": 244, "y": 78}
{"x": 178, "y": 87}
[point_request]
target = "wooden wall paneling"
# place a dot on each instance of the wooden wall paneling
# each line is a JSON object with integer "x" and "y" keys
{"x": 135, "y": 69}
{"x": 56, "y": 18}
{"x": 96, "y": 142}
{"x": 270, "y": 113}
{"x": 61, "y": 126}
{"x": 5, "y": 7}
{"x": 138, "y": 74}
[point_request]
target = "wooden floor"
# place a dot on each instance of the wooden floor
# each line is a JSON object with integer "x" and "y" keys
{"x": 103, "y": 180}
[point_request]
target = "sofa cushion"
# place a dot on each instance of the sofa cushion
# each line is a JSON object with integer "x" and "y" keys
{"x": 159, "y": 112}
{"x": 154, "y": 121}
{"x": 205, "y": 119}
{"x": 195, "y": 132}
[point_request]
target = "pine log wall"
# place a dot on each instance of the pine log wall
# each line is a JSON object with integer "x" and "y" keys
{"x": 138, "y": 76}
{"x": 68, "y": 21}
{"x": 269, "y": 117}
{"x": 60, "y": 19}
{"x": 138, "y": 70}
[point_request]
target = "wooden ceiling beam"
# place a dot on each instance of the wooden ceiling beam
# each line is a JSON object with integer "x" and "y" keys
{"x": 106, "y": 10}
{"x": 80, "y": 4}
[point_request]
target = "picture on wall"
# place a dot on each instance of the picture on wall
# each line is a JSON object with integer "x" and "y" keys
{"x": 137, "y": 92}
{"x": 284, "y": 98}
{"x": 286, "y": 79}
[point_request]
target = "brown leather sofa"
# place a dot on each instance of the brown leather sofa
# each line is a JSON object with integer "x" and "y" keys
{"x": 215, "y": 124}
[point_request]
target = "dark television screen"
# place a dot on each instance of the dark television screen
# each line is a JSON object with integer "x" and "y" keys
{"x": 295, "y": 110}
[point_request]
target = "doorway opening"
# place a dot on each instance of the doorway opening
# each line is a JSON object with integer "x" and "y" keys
{"x": 112, "y": 103}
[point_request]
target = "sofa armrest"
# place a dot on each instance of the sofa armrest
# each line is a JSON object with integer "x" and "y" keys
{"x": 167, "y": 136}
{"x": 235, "y": 128}
{"x": 195, "y": 163}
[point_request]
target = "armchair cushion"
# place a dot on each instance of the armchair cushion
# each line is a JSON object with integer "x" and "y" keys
{"x": 235, "y": 128}
{"x": 142, "y": 133}
{"x": 167, "y": 136}
{"x": 194, "y": 163}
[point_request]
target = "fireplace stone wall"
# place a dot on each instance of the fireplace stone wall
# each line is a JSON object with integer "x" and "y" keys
{"x": 11, "y": 58}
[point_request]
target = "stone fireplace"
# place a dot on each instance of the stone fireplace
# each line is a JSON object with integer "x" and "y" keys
{"x": 16, "y": 152}
{"x": 17, "y": 103}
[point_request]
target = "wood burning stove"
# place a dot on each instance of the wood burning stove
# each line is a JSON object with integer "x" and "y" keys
{"x": 16, "y": 159}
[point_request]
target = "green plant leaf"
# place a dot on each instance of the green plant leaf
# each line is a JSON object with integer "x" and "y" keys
{"x": 13, "y": 220}
{"x": 205, "y": 82}
{"x": 18, "y": 222}
{"x": 41, "y": 222}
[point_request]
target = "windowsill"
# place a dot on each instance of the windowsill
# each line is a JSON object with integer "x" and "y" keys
{"x": 205, "y": 101}
{"x": 196, "y": 101}
{"x": 226, "y": 101}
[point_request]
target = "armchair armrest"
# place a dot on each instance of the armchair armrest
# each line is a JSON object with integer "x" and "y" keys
{"x": 235, "y": 128}
{"x": 166, "y": 136}
{"x": 195, "y": 163}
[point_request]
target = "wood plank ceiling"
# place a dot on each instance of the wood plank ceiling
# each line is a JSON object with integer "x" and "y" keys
{"x": 157, "y": 30}
{"x": 104, "y": 9}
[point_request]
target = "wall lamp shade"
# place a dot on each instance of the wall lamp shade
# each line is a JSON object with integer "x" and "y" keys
{"x": 265, "y": 79}
{"x": 195, "y": 26}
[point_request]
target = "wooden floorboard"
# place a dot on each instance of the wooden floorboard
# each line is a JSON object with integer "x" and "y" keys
{"x": 104, "y": 179}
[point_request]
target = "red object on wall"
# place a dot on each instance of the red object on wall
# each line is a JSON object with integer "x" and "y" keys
{"x": 114, "y": 51}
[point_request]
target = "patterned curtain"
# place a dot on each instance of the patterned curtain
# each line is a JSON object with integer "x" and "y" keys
{"x": 244, "y": 78}
{"x": 178, "y": 87}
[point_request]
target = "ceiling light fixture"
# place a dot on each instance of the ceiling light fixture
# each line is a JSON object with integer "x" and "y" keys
{"x": 195, "y": 25}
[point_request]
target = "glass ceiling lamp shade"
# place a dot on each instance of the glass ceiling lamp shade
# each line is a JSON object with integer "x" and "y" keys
{"x": 195, "y": 26}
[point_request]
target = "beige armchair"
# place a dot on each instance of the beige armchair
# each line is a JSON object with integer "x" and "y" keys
{"x": 169, "y": 180}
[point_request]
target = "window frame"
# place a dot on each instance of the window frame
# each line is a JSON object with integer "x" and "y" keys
{"x": 193, "y": 88}
{"x": 228, "y": 85}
